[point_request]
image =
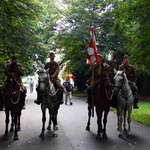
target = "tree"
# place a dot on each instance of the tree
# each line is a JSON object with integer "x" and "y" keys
{"x": 134, "y": 23}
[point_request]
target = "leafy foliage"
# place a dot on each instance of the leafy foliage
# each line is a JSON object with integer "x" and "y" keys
{"x": 134, "y": 23}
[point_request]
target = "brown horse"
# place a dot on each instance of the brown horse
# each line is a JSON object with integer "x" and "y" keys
{"x": 12, "y": 95}
{"x": 101, "y": 100}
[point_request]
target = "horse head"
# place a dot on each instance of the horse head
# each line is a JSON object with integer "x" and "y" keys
{"x": 106, "y": 77}
{"x": 45, "y": 84}
{"x": 119, "y": 80}
{"x": 43, "y": 80}
{"x": 12, "y": 83}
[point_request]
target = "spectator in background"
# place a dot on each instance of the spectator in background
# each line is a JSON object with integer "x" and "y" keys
{"x": 68, "y": 94}
{"x": 31, "y": 85}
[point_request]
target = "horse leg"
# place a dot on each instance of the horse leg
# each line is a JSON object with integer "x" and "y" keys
{"x": 7, "y": 122}
{"x": 89, "y": 117}
{"x": 54, "y": 117}
{"x": 15, "y": 122}
{"x": 129, "y": 121}
{"x": 12, "y": 124}
{"x": 124, "y": 120}
{"x": 105, "y": 122}
{"x": 99, "y": 122}
{"x": 56, "y": 126}
{"x": 18, "y": 121}
{"x": 118, "y": 119}
{"x": 49, "y": 123}
{"x": 120, "y": 123}
{"x": 43, "y": 123}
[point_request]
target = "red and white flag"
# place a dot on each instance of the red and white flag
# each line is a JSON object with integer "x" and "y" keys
{"x": 92, "y": 53}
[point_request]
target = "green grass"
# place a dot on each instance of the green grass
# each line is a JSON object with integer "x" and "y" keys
{"x": 142, "y": 114}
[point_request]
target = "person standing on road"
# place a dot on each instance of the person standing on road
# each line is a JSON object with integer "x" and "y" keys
{"x": 68, "y": 86}
{"x": 31, "y": 85}
{"x": 132, "y": 77}
{"x": 53, "y": 69}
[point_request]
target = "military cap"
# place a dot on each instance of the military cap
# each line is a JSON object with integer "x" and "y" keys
{"x": 51, "y": 52}
{"x": 14, "y": 58}
{"x": 125, "y": 56}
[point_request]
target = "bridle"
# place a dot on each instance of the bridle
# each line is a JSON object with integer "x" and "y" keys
{"x": 107, "y": 78}
{"x": 14, "y": 92}
{"x": 120, "y": 93}
{"x": 47, "y": 82}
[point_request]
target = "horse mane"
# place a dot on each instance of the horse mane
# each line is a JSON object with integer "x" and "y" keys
{"x": 121, "y": 72}
{"x": 125, "y": 78}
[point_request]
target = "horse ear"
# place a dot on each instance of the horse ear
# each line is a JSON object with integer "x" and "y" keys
{"x": 47, "y": 70}
{"x": 115, "y": 71}
{"x": 124, "y": 71}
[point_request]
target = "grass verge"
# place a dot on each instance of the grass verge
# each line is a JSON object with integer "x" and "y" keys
{"x": 141, "y": 115}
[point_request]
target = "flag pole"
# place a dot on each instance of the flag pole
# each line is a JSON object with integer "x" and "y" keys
{"x": 92, "y": 57}
{"x": 92, "y": 82}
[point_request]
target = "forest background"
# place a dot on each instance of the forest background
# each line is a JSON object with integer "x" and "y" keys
{"x": 32, "y": 28}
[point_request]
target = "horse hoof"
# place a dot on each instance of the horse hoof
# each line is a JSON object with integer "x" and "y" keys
{"x": 88, "y": 128}
{"x": 129, "y": 136}
{"x": 55, "y": 134}
{"x": 105, "y": 136}
{"x": 120, "y": 136}
{"x": 16, "y": 138}
{"x": 98, "y": 136}
{"x": 5, "y": 137}
{"x": 48, "y": 128}
{"x": 41, "y": 135}
{"x": 18, "y": 129}
{"x": 11, "y": 130}
{"x": 56, "y": 128}
{"x": 125, "y": 130}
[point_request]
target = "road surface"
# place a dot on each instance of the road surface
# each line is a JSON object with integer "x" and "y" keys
{"x": 72, "y": 135}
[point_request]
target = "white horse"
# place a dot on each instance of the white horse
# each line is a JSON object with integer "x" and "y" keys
{"x": 48, "y": 98}
{"x": 125, "y": 100}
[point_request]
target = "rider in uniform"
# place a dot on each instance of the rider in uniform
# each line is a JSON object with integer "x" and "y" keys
{"x": 95, "y": 71}
{"x": 132, "y": 77}
{"x": 53, "y": 69}
{"x": 15, "y": 69}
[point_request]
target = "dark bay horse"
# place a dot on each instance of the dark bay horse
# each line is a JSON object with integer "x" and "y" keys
{"x": 102, "y": 101}
{"x": 48, "y": 98}
{"x": 12, "y": 95}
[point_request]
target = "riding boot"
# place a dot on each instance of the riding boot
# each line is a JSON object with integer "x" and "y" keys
{"x": 60, "y": 96}
{"x": 89, "y": 96}
{"x": 135, "y": 102}
{"x": 23, "y": 95}
{"x": 37, "y": 101}
{"x": 1, "y": 103}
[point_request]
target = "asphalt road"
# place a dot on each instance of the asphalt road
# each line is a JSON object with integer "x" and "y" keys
{"x": 72, "y": 135}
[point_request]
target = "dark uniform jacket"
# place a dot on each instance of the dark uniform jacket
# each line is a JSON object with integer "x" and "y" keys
{"x": 130, "y": 72}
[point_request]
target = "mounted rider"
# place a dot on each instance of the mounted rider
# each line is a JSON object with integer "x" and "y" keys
{"x": 15, "y": 70}
{"x": 53, "y": 70}
{"x": 95, "y": 71}
{"x": 132, "y": 77}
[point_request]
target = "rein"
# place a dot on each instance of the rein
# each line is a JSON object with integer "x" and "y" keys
{"x": 111, "y": 94}
{"x": 17, "y": 99}
{"x": 124, "y": 97}
{"x": 48, "y": 91}
{"x": 52, "y": 94}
